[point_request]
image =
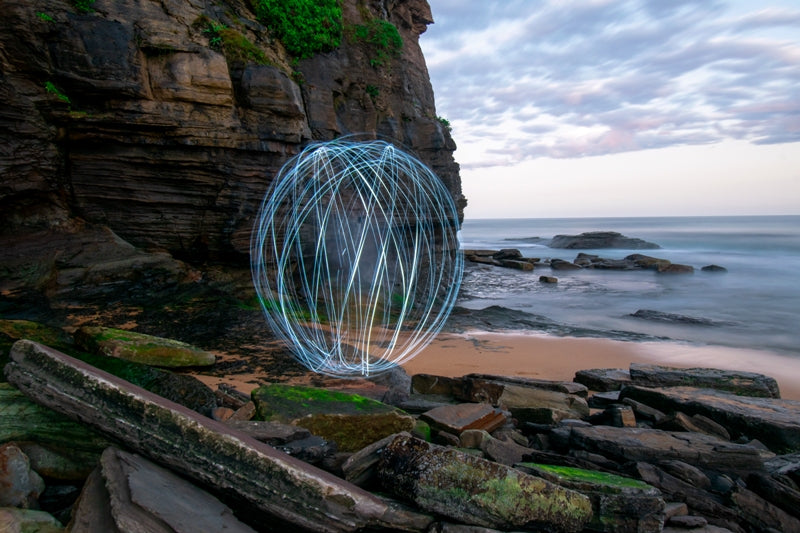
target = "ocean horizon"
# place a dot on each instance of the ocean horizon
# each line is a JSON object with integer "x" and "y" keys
{"x": 754, "y": 305}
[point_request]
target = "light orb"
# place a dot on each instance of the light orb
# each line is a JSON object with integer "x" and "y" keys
{"x": 355, "y": 256}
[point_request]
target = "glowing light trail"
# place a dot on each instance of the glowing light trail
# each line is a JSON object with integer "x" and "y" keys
{"x": 355, "y": 256}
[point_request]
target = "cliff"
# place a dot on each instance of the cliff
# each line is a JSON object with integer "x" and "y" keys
{"x": 137, "y": 137}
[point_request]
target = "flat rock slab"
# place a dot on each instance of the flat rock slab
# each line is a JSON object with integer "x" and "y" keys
{"x": 257, "y": 476}
{"x": 624, "y": 444}
{"x": 478, "y": 492}
{"x": 618, "y": 503}
{"x": 141, "y": 348}
{"x": 460, "y": 417}
{"x": 774, "y": 422}
{"x": 603, "y": 379}
{"x": 734, "y": 381}
{"x": 350, "y": 420}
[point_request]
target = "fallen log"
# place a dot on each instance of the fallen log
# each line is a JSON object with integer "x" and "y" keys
{"x": 261, "y": 478}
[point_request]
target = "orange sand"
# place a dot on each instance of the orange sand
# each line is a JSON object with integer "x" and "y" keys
{"x": 558, "y": 358}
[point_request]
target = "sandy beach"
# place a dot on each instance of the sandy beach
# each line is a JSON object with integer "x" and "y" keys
{"x": 558, "y": 358}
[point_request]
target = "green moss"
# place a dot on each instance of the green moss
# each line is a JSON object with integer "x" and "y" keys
{"x": 44, "y": 16}
{"x": 589, "y": 476}
{"x": 51, "y": 88}
{"x": 382, "y": 39}
{"x": 290, "y": 402}
{"x": 305, "y": 27}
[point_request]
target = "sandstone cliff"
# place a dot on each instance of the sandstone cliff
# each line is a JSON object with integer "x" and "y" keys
{"x": 134, "y": 148}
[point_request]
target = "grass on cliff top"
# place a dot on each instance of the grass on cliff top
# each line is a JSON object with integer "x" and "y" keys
{"x": 305, "y": 27}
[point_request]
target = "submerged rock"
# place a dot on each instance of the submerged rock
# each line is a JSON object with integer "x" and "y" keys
{"x": 600, "y": 239}
{"x": 476, "y": 491}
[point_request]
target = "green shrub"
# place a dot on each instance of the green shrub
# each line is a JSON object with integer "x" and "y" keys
{"x": 372, "y": 91}
{"x": 234, "y": 45}
{"x": 305, "y": 27}
{"x": 446, "y": 123}
{"x": 382, "y": 37}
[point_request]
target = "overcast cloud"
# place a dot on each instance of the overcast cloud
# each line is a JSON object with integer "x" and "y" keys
{"x": 522, "y": 79}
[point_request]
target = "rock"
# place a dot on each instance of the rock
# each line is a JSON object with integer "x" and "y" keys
{"x": 618, "y": 503}
{"x": 361, "y": 467}
{"x": 457, "y": 418}
{"x": 675, "y": 509}
{"x": 244, "y": 413}
{"x": 675, "y": 268}
{"x": 651, "y": 445}
{"x": 14, "y": 520}
{"x": 517, "y": 264}
{"x": 473, "y": 438}
{"x": 57, "y": 447}
{"x": 671, "y": 318}
{"x": 601, "y": 400}
{"x": 141, "y": 348}
{"x": 142, "y": 496}
{"x": 699, "y": 424}
{"x": 397, "y": 383}
{"x": 761, "y": 514}
{"x": 507, "y": 254}
{"x": 645, "y": 412}
{"x": 548, "y": 279}
{"x": 273, "y": 433}
{"x": 714, "y": 268}
{"x": 769, "y": 488}
{"x": 686, "y": 472}
{"x": 687, "y": 522}
{"x": 222, "y": 413}
{"x": 774, "y": 422}
{"x": 475, "y": 381}
{"x": 476, "y": 491}
{"x": 19, "y": 485}
{"x": 600, "y": 239}
{"x": 313, "y": 449}
{"x": 603, "y": 379}
{"x": 646, "y": 262}
{"x": 735, "y": 381}
{"x": 349, "y": 420}
{"x": 621, "y": 416}
{"x": 560, "y": 264}
{"x": 255, "y": 475}
{"x": 437, "y": 385}
{"x": 504, "y": 452}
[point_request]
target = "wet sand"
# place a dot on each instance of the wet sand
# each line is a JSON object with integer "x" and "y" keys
{"x": 558, "y": 358}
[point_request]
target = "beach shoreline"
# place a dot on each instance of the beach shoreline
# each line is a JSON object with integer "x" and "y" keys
{"x": 541, "y": 356}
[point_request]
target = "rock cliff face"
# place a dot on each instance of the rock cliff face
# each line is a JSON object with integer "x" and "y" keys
{"x": 134, "y": 147}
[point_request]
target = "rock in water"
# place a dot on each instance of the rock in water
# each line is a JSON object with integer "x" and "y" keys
{"x": 141, "y": 348}
{"x": 257, "y": 476}
{"x": 600, "y": 239}
{"x": 476, "y": 491}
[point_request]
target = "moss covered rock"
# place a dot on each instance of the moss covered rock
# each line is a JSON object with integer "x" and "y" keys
{"x": 350, "y": 420}
{"x": 14, "y": 330}
{"x": 619, "y": 504}
{"x": 141, "y": 348}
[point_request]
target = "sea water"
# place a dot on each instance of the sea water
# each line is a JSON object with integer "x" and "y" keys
{"x": 755, "y": 304}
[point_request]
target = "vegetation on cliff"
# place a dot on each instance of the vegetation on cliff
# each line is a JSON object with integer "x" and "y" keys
{"x": 305, "y": 27}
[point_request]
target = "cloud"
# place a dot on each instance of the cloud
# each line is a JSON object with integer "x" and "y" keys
{"x": 520, "y": 80}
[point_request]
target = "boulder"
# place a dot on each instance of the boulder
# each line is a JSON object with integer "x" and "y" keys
{"x": 675, "y": 268}
{"x": 457, "y": 418}
{"x": 714, "y": 268}
{"x": 255, "y": 475}
{"x": 619, "y": 503}
{"x": 518, "y": 264}
{"x": 130, "y": 493}
{"x": 57, "y": 447}
{"x": 762, "y": 514}
{"x": 141, "y": 348}
{"x": 651, "y": 445}
{"x": 774, "y": 422}
{"x": 476, "y": 491}
{"x": 19, "y": 485}
{"x": 507, "y": 254}
{"x": 603, "y": 379}
{"x": 646, "y": 262}
{"x": 14, "y": 520}
{"x": 734, "y": 381}
{"x": 548, "y": 279}
{"x": 561, "y": 264}
{"x": 593, "y": 240}
{"x": 350, "y": 420}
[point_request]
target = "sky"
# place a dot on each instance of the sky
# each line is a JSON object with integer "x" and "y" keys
{"x": 570, "y": 108}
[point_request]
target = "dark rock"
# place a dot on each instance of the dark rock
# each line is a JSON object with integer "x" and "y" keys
{"x": 548, "y": 279}
{"x": 476, "y": 491}
{"x": 142, "y": 496}
{"x": 671, "y": 318}
{"x": 714, "y": 268}
{"x": 560, "y": 264}
{"x": 651, "y": 445}
{"x": 686, "y": 472}
{"x": 761, "y": 514}
{"x": 680, "y": 422}
{"x": 675, "y": 509}
{"x": 645, "y": 412}
{"x": 603, "y": 379}
{"x": 473, "y": 438}
{"x": 257, "y": 476}
{"x": 687, "y": 522}
{"x": 598, "y": 240}
{"x": 445, "y": 438}
{"x": 774, "y": 422}
{"x": 457, "y": 418}
{"x": 772, "y": 490}
{"x": 507, "y": 253}
{"x": 19, "y": 485}
{"x": 618, "y": 503}
{"x": 475, "y": 381}
{"x": 437, "y": 385}
{"x": 141, "y": 348}
{"x": 29, "y": 520}
{"x": 517, "y": 264}
{"x": 273, "y": 433}
{"x": 601, "y": 400}
{"x": 504, "y": 452}
{"x": 349, "y": 420}
{"x": 398, "y": 384}
{"x": 675, "y": 268}
{"x": 361, "y": 467}
{"x": 646, "y": 262}
{"x": 312, "y": 450}
{"x": 737, "y": 382}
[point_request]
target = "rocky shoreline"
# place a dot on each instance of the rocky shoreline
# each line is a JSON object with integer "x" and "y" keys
{"x": 647, "y": 448}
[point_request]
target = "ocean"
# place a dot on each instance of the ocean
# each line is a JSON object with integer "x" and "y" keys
{"x": 754, "y": 305}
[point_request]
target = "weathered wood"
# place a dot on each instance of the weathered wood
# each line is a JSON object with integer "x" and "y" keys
{"x": 207, "y": 451}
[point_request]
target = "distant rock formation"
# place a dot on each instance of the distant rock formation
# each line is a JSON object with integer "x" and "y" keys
{"x": 600, "y": 239}
{"x": 130, "y": 130}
